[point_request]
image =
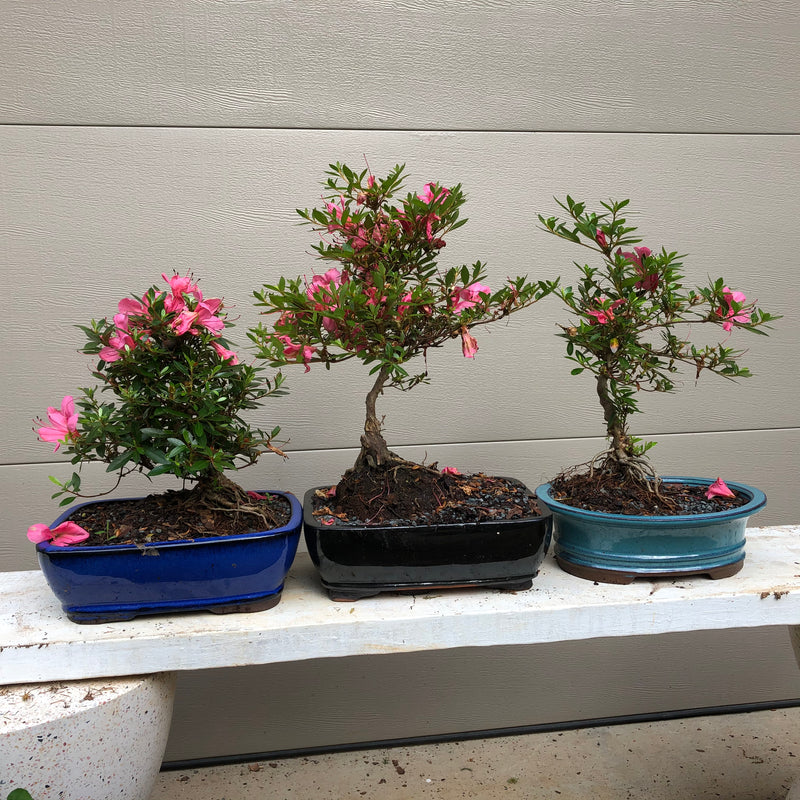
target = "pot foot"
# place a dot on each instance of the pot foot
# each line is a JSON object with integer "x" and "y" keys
{"x": 347, "y": 595}
{"x": 625, "y": 577}
{"x": 248, "y": 607}
{"x": 99, "y": 617}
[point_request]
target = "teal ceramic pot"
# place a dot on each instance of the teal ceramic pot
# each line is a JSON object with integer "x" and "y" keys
{"x": 616, "y": 548}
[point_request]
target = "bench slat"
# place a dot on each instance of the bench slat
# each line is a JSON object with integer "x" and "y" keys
{"x": 38, "y": 643}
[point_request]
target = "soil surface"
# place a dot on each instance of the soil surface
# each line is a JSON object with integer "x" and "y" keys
{"x": 423, "y": 496}
{"x": 167, "y": 517}
{"x": 601, "y": 493}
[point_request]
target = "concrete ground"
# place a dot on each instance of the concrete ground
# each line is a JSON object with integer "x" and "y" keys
{"x": 753, "y": 756}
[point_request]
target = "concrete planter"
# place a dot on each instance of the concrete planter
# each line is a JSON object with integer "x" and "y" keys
{"x": 85, "y": 740}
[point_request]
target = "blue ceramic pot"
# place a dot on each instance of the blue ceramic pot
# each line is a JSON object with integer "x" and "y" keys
{"x": 222, "y": 574}
{"x": 616, "y": 548}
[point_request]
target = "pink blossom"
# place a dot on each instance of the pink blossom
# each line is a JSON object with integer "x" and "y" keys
{"x": 404, "y": 304}
{"x": 116, "y": 345}
{"x": 649, "y": 280}
{"x": 337, "y": 212}
{"x": 63, "y": 422}
{"x": 450, "y": 471}
{"x": 372, "y": 293}
{"x": 360, "y": 239}
{"x": 256, "y": 496}
{"x": 64, "y": 534}
{"x": 604, "y": 315}
{"x": 180, "y": 285}
{"x": 204, "y": 315}
{"x": 323, "y": 282}
{"x": 600, "y": 238}
{"x": 370, "y": 182}
{"x": 225, "y": 354}
{"x": 719, "y": 489}
{"x": 327, "y": 520}
{"x": 469, "y": 296}
{"x": 429, "y": 194}
{"x": 130, "y": 307}
{"x": 732, "y": 316}
{"x": 469, "y": 345}
{"x": 291, "y": 350}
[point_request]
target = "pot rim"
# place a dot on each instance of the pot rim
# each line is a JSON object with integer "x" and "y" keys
{"x": 756, "y": 502}
{"x": 310, "y": 521}
{"x": 294, "y": 522}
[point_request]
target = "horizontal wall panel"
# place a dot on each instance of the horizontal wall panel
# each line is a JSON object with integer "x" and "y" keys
{"x": 88, "y": 215}
{"x": 367, "y": 698}
{"x": 634, "y": 65}
{"x": 767, "y": 459}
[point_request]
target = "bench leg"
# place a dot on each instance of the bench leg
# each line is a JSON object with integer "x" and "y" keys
{"x": 85, "y": 740}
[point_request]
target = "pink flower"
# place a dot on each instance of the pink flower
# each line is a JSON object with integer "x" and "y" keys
{"x": 63, "y": 422}
{"x": 204, "y": 315}
{"x": 256, "y": 496}
{"x": 323, "y": 282}
{"x": 404, "y": 304}
{"x": 116, "y": 345}
{"x": 719, "y": 489}
{"x": 292, "y": 350}
{"x": 180, "y": 285}
{"x": 450, "y": 471}
{"x": 604, "y": 315}
{"x": 370, "y": 182}
{"x": 732, "y": 316}
{"x": 336, "y": 210}
{"x": 600, "y": 238}
{"x": 225, "y": 354}
{"x": 469, "y": 345}
{"x": 429, "y": 195}
{"x": 469, "y": 296}
{"x": 372, "y": 293}
{"x": 64, "y": 534}
{"x": 130, "y": 307}
{"x": 649, "y": 280}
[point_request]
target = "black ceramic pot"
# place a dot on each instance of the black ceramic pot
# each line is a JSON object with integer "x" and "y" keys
{"x": 356, "y": 562}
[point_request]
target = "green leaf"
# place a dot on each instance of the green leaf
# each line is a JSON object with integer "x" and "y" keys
{"x": 576, "y": 371}
{"x": 161, "y": 469}
{"x": 19, "y": 794}
{"x": 155, "y": 455}
{"x": 120, "y": 461}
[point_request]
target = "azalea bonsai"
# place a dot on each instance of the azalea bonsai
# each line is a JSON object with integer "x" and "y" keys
{"x": 170, "y": 397}
{"x": 385, "y": 303}
{"x": 632, "y": 322}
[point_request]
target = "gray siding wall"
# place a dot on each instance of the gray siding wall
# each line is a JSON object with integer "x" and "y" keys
{"x": 138, "y": 138}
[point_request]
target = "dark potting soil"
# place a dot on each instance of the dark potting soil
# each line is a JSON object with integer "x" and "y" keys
{"x": 425, "y": 497}
{"x": 167, "y": 517}
{"x": 602, "y": 493}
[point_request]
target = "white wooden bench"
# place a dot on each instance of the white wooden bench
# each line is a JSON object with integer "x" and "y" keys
{"x": 38, "y": 643}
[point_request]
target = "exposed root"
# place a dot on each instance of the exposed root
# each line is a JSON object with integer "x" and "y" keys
{"x": 226, "y": 496}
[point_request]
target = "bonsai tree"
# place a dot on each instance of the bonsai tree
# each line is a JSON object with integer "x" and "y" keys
{"x": 170, "y": 397}
{"x": 633, "y": 319}
{"x": 385, "y": 303}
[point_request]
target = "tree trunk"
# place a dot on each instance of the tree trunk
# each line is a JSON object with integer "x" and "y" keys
{"x": 374, "y": 450}
{"x": 615, "y": 427}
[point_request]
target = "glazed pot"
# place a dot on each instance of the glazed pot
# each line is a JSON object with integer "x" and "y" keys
{"x": 356, "y": 561}
{"x": 616, "y": 548}
{"x": 222, "y": 574}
